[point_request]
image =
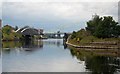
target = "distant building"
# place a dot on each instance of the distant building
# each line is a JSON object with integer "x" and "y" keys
{"x": 29, "y": 31}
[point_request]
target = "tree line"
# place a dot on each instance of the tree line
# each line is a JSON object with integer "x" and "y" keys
{"x": 103, "y": 27}
{"x": 100, "y": 27}
{"x": 9, "y": 34}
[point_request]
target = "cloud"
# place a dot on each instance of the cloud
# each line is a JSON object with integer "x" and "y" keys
{"x": 57, "y": 15}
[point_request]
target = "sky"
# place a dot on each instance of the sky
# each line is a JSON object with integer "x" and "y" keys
{"x": 54, "y": 15}
{"x": 0, "y": 9}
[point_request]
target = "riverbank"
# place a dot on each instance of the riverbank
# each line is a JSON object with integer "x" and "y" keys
{"x": 95, "y": 43}
{"x": 95, "y": 49}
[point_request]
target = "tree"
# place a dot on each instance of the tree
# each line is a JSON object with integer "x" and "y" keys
{"x": 92, "y": 24}
{"x": 103, "y": 27}
{"x": 116, "y": 31}
{"x": 73, "y": 35}
{"x": 7, "y": 29}
{"x": 9, "y": 34}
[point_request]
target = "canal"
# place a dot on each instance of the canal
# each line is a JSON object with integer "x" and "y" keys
{"x": 50, "y": 55}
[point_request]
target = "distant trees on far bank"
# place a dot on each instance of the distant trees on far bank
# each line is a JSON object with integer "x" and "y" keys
{"x": 8, "y": 33}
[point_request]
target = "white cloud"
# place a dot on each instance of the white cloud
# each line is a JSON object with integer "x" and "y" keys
{"x": 58, "y": 13}
{"x": 73, "y": 11}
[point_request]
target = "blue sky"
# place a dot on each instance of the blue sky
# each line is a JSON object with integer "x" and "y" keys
{"x": 54, "y": 16}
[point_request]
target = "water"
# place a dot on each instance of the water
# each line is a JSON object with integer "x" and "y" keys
{"x": 51, "y": 56}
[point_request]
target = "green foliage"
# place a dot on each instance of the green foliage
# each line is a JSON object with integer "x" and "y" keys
{"x": 9, "y": 34}
{"x": 79, "y": 34}
{"x": 6, "y": 29}
{"x": 80, "y": 37}
{"x": 88, "y": 39}
{"x": 103, "y": 27}
{"x": 92, "y": 24}
{"x": 73, "y": 35}
{"x": 99, "y": 29}
{"x": 82, "y": 33}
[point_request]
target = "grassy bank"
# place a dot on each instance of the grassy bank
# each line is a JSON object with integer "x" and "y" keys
{"x": 88, "y": 40}
{"x": 103, "y": 31}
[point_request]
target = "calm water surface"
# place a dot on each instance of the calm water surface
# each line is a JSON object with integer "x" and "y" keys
{"x": 51, "y": 56}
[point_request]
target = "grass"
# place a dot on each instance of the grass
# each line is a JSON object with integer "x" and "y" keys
{"x": 88, "y": 39}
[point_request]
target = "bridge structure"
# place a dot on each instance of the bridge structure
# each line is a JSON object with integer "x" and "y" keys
{"x": 29, "y": 32}
{"x": 54, "y": 35}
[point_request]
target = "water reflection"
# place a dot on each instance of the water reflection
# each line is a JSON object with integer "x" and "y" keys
{"x": 56, "y": 42}
{"x": 65, "y": 45}
{"x": 33, "y": 44}
{"x": 51, "y": 56}
{"x": 97, "y": 63}
{"x": 11, "y": 44}
{"x": 21, "y": 46}
{"x": 102, "y": 64}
